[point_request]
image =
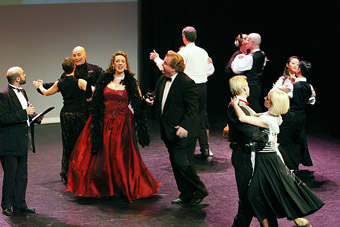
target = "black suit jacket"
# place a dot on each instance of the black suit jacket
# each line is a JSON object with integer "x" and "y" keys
{"x": 181, "y": 107}
{"x": 13, "y": 125}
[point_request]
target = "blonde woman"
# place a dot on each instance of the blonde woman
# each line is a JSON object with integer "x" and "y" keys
{"x": 273, "y": 189}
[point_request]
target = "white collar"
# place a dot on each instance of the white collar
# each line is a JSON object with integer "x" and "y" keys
{"x": 241, "y": 98}
{"x": 173, "y": 77}
{"x": 15, "y": 87}
{"x": 300, "y": 79}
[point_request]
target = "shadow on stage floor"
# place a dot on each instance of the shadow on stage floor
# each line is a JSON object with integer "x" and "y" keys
{"x": 55, "y": 207}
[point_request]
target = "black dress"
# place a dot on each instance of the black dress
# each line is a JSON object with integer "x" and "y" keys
{"x": 274, "y": 190}
{"x": 72, "y": 118}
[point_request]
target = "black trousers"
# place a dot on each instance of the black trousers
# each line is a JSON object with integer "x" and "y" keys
{"x": 181, "y": 155}
{"x": 14, "y": 181}
{"x": 202, "y": 112}
{"x": 243, "y": 173}
{"x": 293, "y": 140}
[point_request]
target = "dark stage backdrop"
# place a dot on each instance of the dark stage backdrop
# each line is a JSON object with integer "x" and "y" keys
{"x": 287, "y": 29}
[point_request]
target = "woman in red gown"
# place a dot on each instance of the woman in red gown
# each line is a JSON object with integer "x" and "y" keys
{"x": 105, "y": 159}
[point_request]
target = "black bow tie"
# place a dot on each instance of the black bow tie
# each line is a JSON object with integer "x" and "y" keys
{"x": 168, "y": 79}
{"x": 22, "y": 91}
{"x": 18, "y": 89}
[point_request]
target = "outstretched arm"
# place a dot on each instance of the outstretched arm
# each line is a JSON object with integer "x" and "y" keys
{"x": 51, "y": 91}
{"x": 154, "y": 56}
{"x": 252, "y": 120}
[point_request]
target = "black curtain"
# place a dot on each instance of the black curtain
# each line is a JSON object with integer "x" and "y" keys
{"x": 286, "y": 30}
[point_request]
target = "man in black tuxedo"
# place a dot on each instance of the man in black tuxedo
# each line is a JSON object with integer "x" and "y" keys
{"x": 245, "y": 139}
{"x": 15, "y": 113}
{"x": 176, "y": 97}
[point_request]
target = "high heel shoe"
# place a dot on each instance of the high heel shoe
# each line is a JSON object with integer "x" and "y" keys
{"x": 302, "y": 222}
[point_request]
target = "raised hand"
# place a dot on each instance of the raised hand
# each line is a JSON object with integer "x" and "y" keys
{"x": 153, "y": 55}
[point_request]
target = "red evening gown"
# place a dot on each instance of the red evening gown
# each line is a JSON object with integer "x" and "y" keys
{"x": 119, "y": 165}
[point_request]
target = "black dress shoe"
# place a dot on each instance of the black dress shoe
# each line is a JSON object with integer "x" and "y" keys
{"x": 204, "y": 154}
{"x": 180, "y": 201}
{"x": 7, "y": 211}
{"x": 196, "y": 201}
{"x": 24, "y": 210}
{"x": 199, "y": 196}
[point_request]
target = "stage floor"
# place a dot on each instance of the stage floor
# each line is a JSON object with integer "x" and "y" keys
{"x": 55, "y": 207}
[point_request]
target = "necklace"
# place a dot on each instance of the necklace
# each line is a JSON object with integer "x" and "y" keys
{"x": 119, "y": 77}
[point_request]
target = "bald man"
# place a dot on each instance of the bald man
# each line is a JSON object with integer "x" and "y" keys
{"x": 252, "y": 66}
{"x": 84, "y": 70}
{"x": 15, "y": 113}
{"x": 79, "y": 55}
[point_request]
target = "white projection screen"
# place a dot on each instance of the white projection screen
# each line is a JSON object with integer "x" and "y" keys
{"x": 37, "y": 35}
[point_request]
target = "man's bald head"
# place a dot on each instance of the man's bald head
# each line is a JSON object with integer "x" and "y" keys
{"x": 13, "y": 73}
{"x": 79, "y": 55}
{"x": 254, "y": 39}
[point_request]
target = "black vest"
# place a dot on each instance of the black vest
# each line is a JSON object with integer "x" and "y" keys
{"x": 302, "y": 91}
{"x": 255, "y": 73}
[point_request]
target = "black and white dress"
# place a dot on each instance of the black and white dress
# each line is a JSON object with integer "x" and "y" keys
{"x": 274, "y": 191}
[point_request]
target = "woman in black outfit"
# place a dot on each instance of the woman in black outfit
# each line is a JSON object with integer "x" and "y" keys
{"x": 72, "y": 115}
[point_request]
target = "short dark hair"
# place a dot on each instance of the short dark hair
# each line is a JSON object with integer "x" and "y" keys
{"x": 189, "y": 33}
{"x": 68, "y": 65}
{"x": 306, "y": 68}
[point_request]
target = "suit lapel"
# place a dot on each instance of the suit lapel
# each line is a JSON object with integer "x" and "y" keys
{"x": 14, "y": 97}
{"x": 171, "y": 92}
{"x": 161, "y": 89}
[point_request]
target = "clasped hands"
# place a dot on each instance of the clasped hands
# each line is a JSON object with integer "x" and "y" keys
{"x": 38, "y": 83}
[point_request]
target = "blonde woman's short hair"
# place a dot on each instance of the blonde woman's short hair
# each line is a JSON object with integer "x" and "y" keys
{"x": 279, "y": 101}
{"x": 237, "y": 83}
